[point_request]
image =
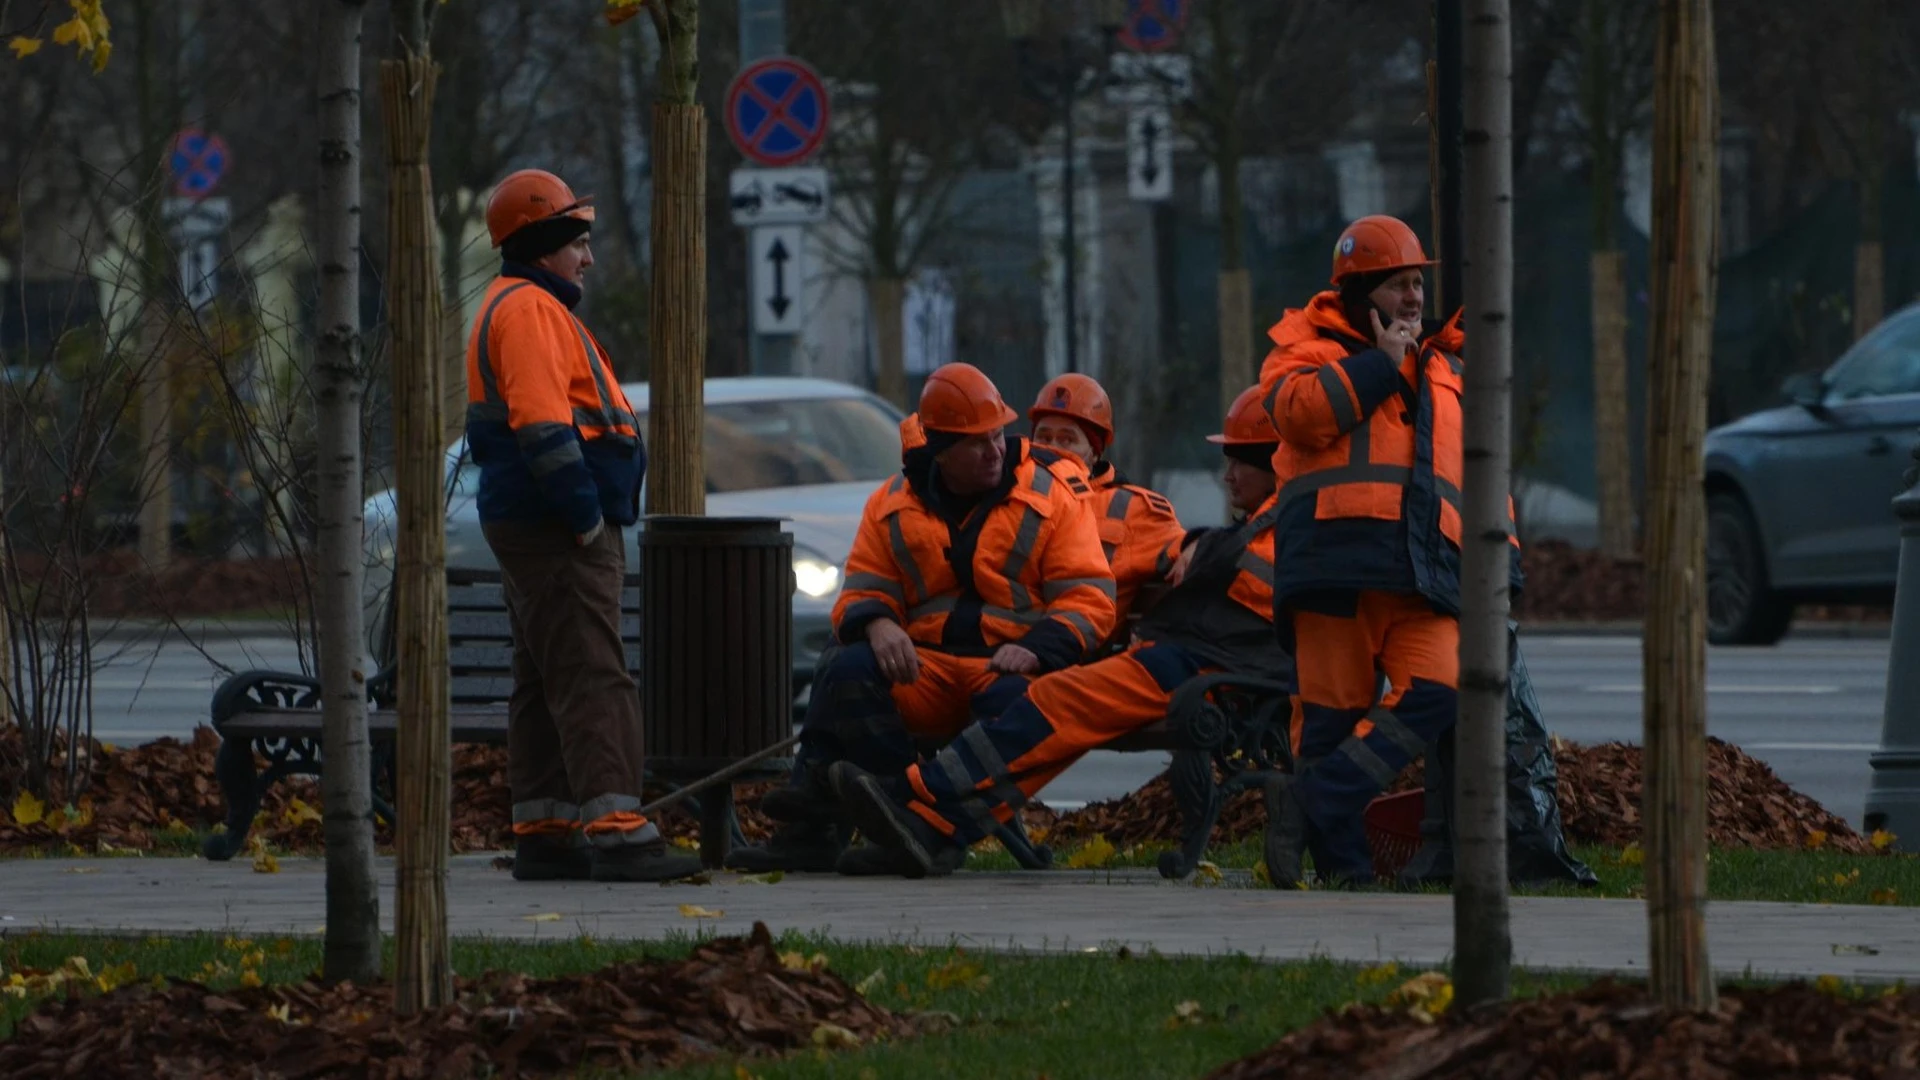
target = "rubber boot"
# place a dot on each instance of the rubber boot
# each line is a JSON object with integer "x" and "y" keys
{"x": 872, "y": 860}
{"x": 550, "y": 858}
{"x": 908, "y": 841}
{"x": 642, "y": 862}
{"x": 809, "y": 848}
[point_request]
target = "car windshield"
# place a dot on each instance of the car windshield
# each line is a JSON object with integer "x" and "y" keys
{"x": 754, "y": 445}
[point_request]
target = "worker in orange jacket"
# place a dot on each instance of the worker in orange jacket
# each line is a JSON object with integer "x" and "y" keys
{"x": 561, "y": 461}
{"x": 974, "y": 570}
{"x": 1216, "y": 616}
{"x": 1073, "y": 415}
{"x": 1366, "y": 399}
{"x": 1248, "y": 442}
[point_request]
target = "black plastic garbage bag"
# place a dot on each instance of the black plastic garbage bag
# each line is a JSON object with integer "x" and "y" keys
{"x": 1536, "y": 844}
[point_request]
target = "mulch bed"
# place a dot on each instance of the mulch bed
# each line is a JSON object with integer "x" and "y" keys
{"x": 168, "y": 786}
{"x": 1748, "y": 806}
{"x": 731, "y": 996}
{"x": 1609, "y": 1029}
{"x": 1569, "y": 584}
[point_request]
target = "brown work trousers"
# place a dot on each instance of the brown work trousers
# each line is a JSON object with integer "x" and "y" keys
{"x": 573, "y": 721}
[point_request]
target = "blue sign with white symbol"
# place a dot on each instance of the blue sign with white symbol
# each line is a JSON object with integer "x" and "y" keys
{"x": 197, "y": 163}
{"x": 1155, "y": 25}
{"x": 777, "y": 111}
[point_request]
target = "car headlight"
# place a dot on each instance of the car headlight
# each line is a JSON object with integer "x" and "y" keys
{"x": 815, "y": 576}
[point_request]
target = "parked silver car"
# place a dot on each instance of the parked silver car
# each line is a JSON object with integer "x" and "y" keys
{"x": 809, "y": 451}
{"x": 1799, "y": 497}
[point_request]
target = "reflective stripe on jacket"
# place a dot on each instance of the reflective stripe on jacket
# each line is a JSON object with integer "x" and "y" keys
{"x": 1370, "y": 460}
{"x": 1024, "y": 566}
{"x": 547, "y": 422}
{"x": 1136, "y": 526}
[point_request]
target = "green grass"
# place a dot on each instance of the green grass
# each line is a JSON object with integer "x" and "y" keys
{"x": 1101, "y": 1014}
{"x": 1808, "y": 877}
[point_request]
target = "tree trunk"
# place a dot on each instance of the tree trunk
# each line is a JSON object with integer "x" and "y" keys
{"x": 885, "y": 295}
{"x": 1237, "y": 364}
{"x": 1869, "y": 286}
{"x": 1686, "y": 218}
{"x": 1612, "y": 453}
{"x": 353, "y": 900}
{"x": 1483, "y": 942}
{"x": 677, "y": 314}
{"x": 423, "y": 974}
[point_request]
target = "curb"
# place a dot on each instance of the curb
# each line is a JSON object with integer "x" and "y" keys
{"x": 136, "y": 631}
{"x": 1803, "y": 631}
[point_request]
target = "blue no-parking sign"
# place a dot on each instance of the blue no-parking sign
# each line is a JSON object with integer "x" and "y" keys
{"x": 777, "y": 111}
{"x": 197, "y": 163}
{"x": 1155, "y": 25}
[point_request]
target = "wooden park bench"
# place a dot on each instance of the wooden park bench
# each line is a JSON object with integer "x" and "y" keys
{"x": 277, "y": 716}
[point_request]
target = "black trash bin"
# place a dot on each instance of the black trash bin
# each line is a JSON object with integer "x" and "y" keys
{"x": 716, "y": 653}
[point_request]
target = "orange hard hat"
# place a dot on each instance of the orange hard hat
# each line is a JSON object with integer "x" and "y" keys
{"x": 1248, "y": 422}
{"x": 959, "y": 399}
{"x": 1376, "y": 242}
{"x": 1077, "y": 397}
{"x": 532, "y": 195}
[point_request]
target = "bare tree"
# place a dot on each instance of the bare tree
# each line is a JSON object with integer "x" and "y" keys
{"x": 353, "y": 900}
{"x": 1483, "y": 942}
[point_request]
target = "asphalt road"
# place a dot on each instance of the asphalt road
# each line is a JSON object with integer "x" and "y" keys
{"x": 1811, "y": 708}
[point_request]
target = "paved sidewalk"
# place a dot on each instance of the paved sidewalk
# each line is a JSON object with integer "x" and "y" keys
{"x": 1057, "y": 910}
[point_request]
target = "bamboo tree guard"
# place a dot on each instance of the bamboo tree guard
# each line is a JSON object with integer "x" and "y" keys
{"x": 1686, "y": 217}
{"x": 1612, "y": 452}
{"x": 423, "y": 967}
{"x": 677, "y": 333}
{"x": 1482, "y": 936}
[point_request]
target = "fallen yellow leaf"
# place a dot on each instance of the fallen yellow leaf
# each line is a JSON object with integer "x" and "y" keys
{"x": 834, "y": 1037}
{"x": 1884, "y": 896}
{"x": 1631, "y": 855}
{"x": 264, "y": 862}
{"x": 695, "y": 911}
{"x": 1882, "y": 839}
{"x": 771, "y": 877}
{"x": 874, "y": 978}
{"x": 1095, "y": 853}
{"x": 1816, "y": 839}
{"x": 250, "y": 977}
{"x": 545, "y": 916}
{"x": 28, "y": 810}
{"x": 299, "y": 813}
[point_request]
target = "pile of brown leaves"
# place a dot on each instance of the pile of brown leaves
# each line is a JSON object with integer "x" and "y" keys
{"x": 117, "y": 584}
{"x": 1748, "y": 806}
{"x": 1570, "y": 584}
{"x": 167, "y": 787}
{"x": 731, "y": 996}
{"x": 1609, "y": 1029}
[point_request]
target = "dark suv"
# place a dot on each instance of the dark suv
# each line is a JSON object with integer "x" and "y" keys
{"x": 1799, "y": 496}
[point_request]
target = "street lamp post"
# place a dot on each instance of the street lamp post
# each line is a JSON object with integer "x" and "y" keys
{"x": 1059, "y": 65}
{"x": 1893, "y": 800}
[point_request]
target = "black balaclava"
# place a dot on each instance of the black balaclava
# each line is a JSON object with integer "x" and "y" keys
{"x": 533, "y": 242}
{"x": 1258, "y": 455}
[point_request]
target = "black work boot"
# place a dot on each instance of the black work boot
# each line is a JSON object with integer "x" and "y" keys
{"x": 807, "y": 799}
{"x": 550, "y": 858}
{"x": 802, "y": 848}
{"x": 642, "y": 862}
{"x": 1286, "y": 833}
{"x": 910, "y": 842}
{"x": 872, "y": 860}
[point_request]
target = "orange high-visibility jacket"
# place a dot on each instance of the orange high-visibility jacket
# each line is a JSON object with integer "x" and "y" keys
{"x": 1024, "y": 566}
{"x": 1136, "y": 526}
{"x": 1370, "y": 460}
{"x": 547, "y": 423}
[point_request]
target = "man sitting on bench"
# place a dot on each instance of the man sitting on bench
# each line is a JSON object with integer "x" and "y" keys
{"x": 1218, "y": 616}
{"x": 976, "y": 569}
{"x": 1073, "y": 415}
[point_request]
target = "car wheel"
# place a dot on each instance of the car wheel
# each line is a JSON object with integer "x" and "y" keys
{"x": 1741, "y": 608}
